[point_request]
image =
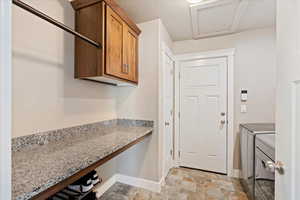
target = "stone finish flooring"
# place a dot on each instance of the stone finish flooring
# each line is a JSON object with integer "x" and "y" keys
{"x": 183, "y": 184}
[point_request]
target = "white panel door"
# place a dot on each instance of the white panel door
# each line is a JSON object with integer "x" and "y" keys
{"x": 168, "y": 112}
{"x": 288, "y": 100}
{"x": 203, "y": 114}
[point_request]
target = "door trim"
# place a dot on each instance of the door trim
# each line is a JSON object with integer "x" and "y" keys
{"x": 5, "y": 100}
{"x": 165, "y": 51}
{"x": 294, "y": 106}
{"x": 229, "y": 54}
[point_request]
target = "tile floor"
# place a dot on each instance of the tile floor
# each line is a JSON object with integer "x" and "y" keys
{"x": 183, "y": 184}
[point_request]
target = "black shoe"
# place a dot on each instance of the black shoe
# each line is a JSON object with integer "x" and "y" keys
{"x": 90, "y": 196}
{"x": 84, "y": 184}
{"x": 94, "y": 176}
{"x": 76, "y": 186}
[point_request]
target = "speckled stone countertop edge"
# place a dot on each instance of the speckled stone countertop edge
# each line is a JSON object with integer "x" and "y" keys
{"x": 46, "y": 137}
{"x": 21, "y": 143}
{"x": 53, "y": 182}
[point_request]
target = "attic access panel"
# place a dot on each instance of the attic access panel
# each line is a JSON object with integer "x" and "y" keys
{"x": 216, "y": 17}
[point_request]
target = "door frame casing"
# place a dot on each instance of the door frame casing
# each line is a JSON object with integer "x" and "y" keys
{"x": 5, "y": 99}
{"x": 165, "y": 51}
{"x": 229, "y": 54}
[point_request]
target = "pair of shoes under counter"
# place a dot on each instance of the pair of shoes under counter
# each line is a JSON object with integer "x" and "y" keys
{"x": 86, "y": 196}
{"x": 80, "y": 189}
{"x": 85, "y": 183}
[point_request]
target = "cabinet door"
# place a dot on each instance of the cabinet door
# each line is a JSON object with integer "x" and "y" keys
{"x": 130, "y": 54}
{"x": 114, "y": 44}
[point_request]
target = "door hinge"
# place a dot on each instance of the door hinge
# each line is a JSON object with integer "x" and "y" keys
{"x": 179, "y": 154}
{"x": 171, "y": 152}
{"x": 178, "y": 114}
{"x": 179, "y": 76}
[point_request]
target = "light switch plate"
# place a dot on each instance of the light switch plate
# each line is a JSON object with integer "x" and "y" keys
{"x": 244, "y": 95}
{"x": 243, "y": 108}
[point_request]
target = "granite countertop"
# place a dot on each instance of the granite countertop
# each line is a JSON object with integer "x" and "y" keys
{"x": 37, "y": 167}
{"x": 258, "y": 128}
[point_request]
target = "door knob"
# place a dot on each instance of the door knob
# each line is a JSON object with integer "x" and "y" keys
{"x": 167, "y": 123}
{"x": 223, "y": 121}
{"x": 278, "y": 166}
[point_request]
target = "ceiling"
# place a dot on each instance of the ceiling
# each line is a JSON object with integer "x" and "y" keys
{"x": 207, "y": 19}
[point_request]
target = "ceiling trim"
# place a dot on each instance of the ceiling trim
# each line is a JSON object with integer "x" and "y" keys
{"x": 211, "y": 3}
{"x": 194, "y": 9}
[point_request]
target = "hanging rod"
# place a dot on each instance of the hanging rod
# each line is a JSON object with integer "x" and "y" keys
{"x": 54, "y": 22}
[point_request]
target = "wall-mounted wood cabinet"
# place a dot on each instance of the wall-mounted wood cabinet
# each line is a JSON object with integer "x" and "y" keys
{"x": 105, "y": 22}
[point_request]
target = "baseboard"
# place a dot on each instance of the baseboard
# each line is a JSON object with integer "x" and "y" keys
{"x": 162, "y": 182}
{"x": 133, "y": 181}
{"x": 139, "y": 182}
{"x": 103, "y": 187}
{"x": 236, "y": 173}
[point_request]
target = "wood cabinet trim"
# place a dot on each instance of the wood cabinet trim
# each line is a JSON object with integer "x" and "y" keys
{"x": 108, "y": 28}
{"x": 114, "y": 44}
{"x": 85, "y": 54}
{"x": 79, "y": 4}
{"x": 129, "y": 56}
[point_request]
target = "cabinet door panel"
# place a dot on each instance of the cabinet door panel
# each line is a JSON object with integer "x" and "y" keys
{"x": 130, "y": 54}
{"x": 114, "y": 44}
{"x": 88, "y": 59}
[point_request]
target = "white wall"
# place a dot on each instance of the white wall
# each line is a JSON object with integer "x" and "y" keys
{"x": 143, "y": 102}
{"x": 45, "y": 94}
{"x": 255, "y": 70}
